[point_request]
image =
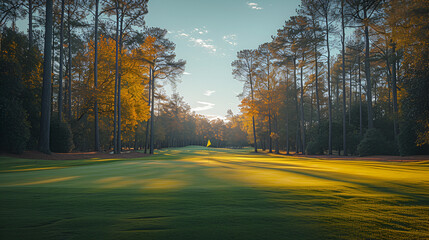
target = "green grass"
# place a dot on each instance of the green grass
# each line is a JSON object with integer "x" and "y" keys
{"x": 201, "y": 193}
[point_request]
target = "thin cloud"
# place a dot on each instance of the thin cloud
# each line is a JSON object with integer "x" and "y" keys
{"x": 230, "y": 39}
{"x": 203, "y": 108}
{"x": 209, "y": 92}
{"x": 204, "y": 43}
{"x": 254, "y": 6}
{"x": 186, "y": 73}
{"x": 200, "y": 31}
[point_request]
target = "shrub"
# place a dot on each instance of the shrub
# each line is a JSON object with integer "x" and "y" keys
{"x": 315, "y": 146}
{"x": 14, "y": 127}
{"x": 353, "y": 140}
{"x": 61, "y": 136}
{"x": 407, "y": 139}
{"x": 374, "y": 143}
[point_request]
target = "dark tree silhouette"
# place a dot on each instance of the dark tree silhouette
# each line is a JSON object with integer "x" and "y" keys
{"x": 46, "y": 88}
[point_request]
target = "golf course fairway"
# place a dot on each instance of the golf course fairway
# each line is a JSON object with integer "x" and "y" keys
{"x": 205, "y": 193}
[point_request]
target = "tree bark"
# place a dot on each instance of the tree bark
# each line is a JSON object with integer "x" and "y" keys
{"x": 270, "y": 140}
{"x": 253, "y": 116}
{"x": 146, "y": 143}
{"x": 360, "y": 100}
{"x": 52, "y": 68}
{"x": 119, "y": 138}
{"x": 368, "y": 75}
{"x": 394, "y": 93}
{"x": 69, "y": 113}
{"x": 276, "y": 141}
{"x": 152, "y": 111}
{"x": 96, "y": 126}
{"x": 344, "y": 79}
{"x": 287, "y": 114}
{"x": 317, "y": 88}
{"x": 115, "y": 112}
{"x": 60, "y": 80}
{"x": 295, "y": 93}
{"x": 329, "y": 87}
{"x": 302, "y": 108}
{"x": 30, "y": 24}
{"x": 311, "y": 107}
{"x": 45, "y": 117}
{"x": 350, "y": 92}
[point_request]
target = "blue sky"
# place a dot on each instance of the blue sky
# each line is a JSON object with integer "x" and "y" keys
{"x": 208, "y": 35}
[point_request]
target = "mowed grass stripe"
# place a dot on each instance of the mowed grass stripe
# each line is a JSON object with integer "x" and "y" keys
{"x": 204, "y": 193}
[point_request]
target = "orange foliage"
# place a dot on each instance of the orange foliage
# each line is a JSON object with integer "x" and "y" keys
{"x": 134, "y": 82}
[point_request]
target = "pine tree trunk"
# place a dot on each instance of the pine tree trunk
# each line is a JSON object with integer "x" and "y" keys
{"x": 146, "y": 143}
{"x": 30, "y": 24}
{"x": 96, "y": 126}
{"x": 119, "y": 138}
{"x": 368, "y": 75}
{"x": 302, "y": 108}
{"x": 317, "y": 89}
{"x": 329, "y": 87}
{"x": 69, "y": 114}
{"x": 344, "y": 79}
{"x": 287, "y": 114}
{"x": 277, "y": 149}
{"x": 52, "y": 68}
{"x": 350, "y": 92}
{"x": 253, "y": 116}
{"x": 254, "y": 134}
{"x": 287, "y": 134}
{"x": 311, "y": 107}
{"x": 270, "y": 140}
{"x": 115, "y": 112}
{"x": 152, "y": 111}
{"x": 360, "y": 100}
{"x": 297, "y": 138}
{"x": 394, "y": 94}
{"x": 45, "y": 117}
{"x": 60, "y": 80}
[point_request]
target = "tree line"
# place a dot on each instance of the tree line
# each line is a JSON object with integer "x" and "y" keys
{"x": 370, "y": 98}
{"x": 89, "y": 75}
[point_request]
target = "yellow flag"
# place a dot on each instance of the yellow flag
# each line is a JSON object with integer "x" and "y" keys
{"x": 209, "y": 143}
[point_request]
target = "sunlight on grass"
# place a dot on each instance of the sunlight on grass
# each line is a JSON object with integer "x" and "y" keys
{"x": 109, "y": 179}
{"x": 163, "y": 184}
{"x": 184, "y": 192}
{"x": 31, "y": 169}
{"x": 53, "y": 180}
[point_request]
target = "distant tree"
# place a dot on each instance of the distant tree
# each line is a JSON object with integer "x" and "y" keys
{"x": 317, "y": 39}
{"x": 165, "y": 67}
{"x": 244, "y": 68}
{"x": 362, "y": 12}
{"x": 129, "y": 14}
{"x": 266, "y": 84}
{"x": 324, "y": 9}
{"x": 408, "y": 21}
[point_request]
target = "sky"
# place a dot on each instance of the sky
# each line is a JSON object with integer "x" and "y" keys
{"x": 208, "y": 34}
